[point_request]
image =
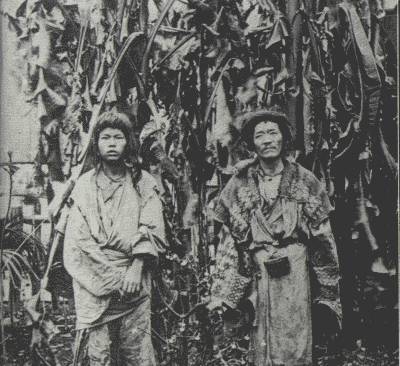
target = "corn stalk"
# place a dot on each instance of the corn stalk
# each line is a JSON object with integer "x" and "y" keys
{"x": 146, "y": 55}
{"x": 2, "y": 236}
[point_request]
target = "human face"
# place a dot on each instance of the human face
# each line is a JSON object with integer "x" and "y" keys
{"x": 268, "y": 140}
{"x": 111, "y": 144}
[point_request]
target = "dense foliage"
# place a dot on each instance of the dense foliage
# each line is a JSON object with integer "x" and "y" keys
{"x": 182, "y": 71}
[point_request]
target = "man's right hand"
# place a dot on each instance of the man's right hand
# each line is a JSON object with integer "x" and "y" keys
{"x": 133, "y": 278}
{"x": 261, "y": 256}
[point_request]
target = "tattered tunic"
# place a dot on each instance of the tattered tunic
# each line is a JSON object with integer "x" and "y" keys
{"x": 108, "y": 225}
{"x": 288, "y": 217}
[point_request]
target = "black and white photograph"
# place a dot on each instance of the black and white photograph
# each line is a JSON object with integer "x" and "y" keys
{"x": 199, "y": 183}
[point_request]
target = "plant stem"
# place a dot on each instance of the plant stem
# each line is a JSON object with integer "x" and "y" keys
{"x": 3, "y": 230}
{"x": 201, "y": 131}
{"x": 146, "y": 55}
{"x": 203, "y": 75}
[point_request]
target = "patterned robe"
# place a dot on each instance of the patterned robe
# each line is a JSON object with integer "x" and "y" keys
{"x": 294, "y": 226}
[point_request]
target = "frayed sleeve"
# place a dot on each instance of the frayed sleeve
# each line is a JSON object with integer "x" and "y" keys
{"x": 151, "y": 240}
{"x": 220, "y": 212}
{"x": 325, "y": 266}
{"x": 318, "y": 207}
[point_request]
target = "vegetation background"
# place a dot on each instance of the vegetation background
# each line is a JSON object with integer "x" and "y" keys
{"x": 182, "y": 70}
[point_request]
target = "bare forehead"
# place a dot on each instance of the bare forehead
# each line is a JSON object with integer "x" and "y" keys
{"x": 111, "y": 131}
{"x": 266, "y": 126}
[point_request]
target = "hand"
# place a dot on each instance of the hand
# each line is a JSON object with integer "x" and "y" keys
{"x": 260, "y": 257}
{"x": 132, "y": 282}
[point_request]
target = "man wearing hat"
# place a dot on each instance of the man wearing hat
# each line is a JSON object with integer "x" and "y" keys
{"x": 275, "y": 224}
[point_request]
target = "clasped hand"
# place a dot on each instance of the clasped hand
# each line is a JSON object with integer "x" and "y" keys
{"x": 260, "y": 258}
{"x": 132, "y": 282}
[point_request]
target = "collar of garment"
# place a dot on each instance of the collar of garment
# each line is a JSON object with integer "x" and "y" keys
{"x": 286, "y": 176}
{"x": 108, "y": 186}
{"x": 261, "y": 172}
{"x": 297, "y": 184}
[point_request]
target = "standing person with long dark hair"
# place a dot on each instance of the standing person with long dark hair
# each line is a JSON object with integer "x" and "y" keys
{"x": 274, "y": 216}
{"x": 114, "y": 233}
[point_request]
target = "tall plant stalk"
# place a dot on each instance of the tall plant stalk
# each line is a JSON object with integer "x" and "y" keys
{"x": 146, "y": 56}
{"x": 3, "y": 230}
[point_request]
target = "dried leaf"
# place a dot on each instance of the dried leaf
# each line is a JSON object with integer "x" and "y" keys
{"x": 281, "y": 77}
{"x": 40, "y": 44}
{"x": 221, "y": 128}
{"x": 178, "y": 52}
{"x": 279, "y": 34}
{"x": 55, "y": 19}
{"x": 41, "y": 111}
{"x": 55, "y": 99}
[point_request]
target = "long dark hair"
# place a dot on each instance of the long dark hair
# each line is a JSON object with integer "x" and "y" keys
{"x": 120, "y": 121}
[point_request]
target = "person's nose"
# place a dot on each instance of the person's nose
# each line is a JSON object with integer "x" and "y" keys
{"x": 112, "y": 142}
{"x": 267, "y": 139}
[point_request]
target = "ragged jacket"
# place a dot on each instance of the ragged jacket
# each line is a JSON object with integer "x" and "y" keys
{"x": 305, "y": 209}
{"x": 97, "y": 254}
